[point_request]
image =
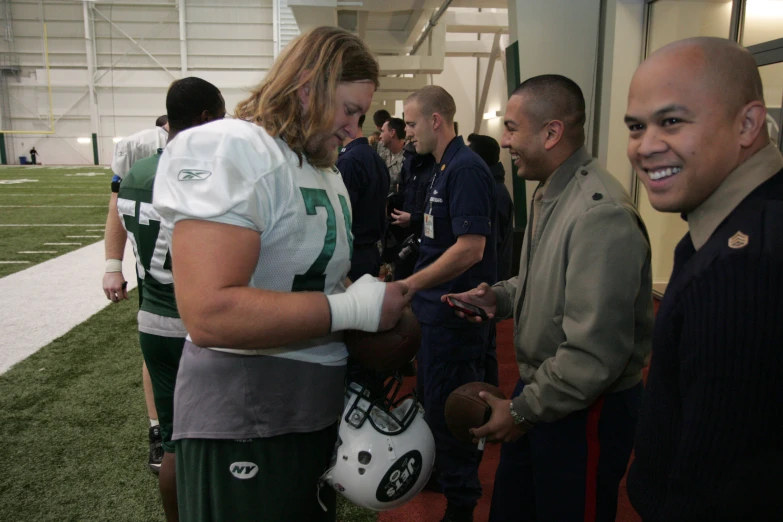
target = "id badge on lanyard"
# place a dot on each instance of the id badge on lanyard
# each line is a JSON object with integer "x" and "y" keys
{"x": 429, "y": 226}
{"x": 429, "y": 219}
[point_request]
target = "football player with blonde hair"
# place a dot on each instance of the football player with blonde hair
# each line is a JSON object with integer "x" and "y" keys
{"x": 261, "y": 244}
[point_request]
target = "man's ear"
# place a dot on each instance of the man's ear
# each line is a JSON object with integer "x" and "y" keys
{"x": 304, "y": 91}
{"x": 554, "y": 133}
{"x": 304, "y": 95}
{"x": 437, "y": 121}
{"x": 753, "y": 119}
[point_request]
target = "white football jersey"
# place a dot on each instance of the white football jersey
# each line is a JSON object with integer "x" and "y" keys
{"x": 233, "y": 172}
{"x": 137, "y": 146}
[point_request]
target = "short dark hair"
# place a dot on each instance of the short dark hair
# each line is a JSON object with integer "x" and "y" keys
{"x": 162, "y": 120}
{"x": 398, "y": 126}
{"x": 361, "y": 120}
{"x": 188, "y": 98}
{"x": 485, "y": 146}
{"x": 555, "y": 97}
{"x": 380, "y": 117}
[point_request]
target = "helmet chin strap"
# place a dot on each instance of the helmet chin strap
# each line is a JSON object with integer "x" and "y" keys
{"x": 321, "y": 484}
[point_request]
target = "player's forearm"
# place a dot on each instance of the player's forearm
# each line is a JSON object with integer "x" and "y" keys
{"x": 253, "y": 319}
{"x": 114, "y": 235}
{"x": 452, "y": 263}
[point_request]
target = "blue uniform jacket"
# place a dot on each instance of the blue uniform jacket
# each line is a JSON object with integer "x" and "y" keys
{"x": 461, "y": 198}
{"x": 367, "y": 179}
{"x": 415, "y": 180}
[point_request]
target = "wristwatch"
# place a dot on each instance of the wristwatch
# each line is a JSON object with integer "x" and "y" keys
{"x": 519, "y": 420}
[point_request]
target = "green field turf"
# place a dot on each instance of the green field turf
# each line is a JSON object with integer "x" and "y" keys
{"x": 74, "y": 196}
{"x": 74, "y": 429}
{"x": 73, "y": 423}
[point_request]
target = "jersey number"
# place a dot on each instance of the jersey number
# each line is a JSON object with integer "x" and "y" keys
{"x": 314, "y": 280}
{"x": 152, "y": 257}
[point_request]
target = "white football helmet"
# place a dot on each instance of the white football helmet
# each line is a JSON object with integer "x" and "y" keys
{"x": 385, "y": 449}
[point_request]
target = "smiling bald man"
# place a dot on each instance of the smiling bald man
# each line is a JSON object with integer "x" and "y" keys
{"x": 708, "y": 442}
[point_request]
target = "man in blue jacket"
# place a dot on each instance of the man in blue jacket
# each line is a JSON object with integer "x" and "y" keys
{"x": 457, "y": 252}
{"x": 367, "y": 179}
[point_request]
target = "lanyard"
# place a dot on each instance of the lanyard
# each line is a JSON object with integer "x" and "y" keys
{"x": 432, "y": 182}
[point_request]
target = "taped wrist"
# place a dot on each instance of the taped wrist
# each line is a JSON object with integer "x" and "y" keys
{"x": 113, "y": 265}
{"x": 359, "y": 308}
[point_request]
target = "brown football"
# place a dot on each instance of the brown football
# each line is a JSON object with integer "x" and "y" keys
{"x": 389, "y": 350}
{"x": 466, "y": 410}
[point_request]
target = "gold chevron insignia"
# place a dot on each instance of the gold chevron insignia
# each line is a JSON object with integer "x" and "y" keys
{"x": 738, "y": 240}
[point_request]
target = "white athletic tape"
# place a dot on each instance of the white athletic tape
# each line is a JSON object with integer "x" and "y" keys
{"x": 113, "y": 265}
{"x": 359, "y": 308}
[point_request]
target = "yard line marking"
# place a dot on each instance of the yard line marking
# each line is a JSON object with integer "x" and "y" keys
{"x": 14, "y": 262}
{"x": 77, "y": 237}
{"x": 52, "y": 206}
{"x": 56, "y": 244}
{"x": 51, "y": 225}
{"x": 37, "y": 252}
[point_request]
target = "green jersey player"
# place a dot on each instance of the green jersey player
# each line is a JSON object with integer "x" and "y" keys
{"x": 189, "y": 102}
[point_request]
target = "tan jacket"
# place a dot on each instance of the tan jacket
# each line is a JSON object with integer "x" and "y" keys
{"x": 582, "y": 303}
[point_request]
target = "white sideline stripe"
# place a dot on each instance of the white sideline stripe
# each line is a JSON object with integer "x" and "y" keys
{"x": 56, "y": 244}
{"x": 26, "y": 325}
{"x": 53, "y": 225}
{"x": 98, "y": 230}
{"x": 52, "y": 206}
{"x": 14, "y": 262}
{"x": 37, "y": 252}
{"x": 76, "y": 237}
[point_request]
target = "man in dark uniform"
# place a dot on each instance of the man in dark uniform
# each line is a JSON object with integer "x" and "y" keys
{"x": 367, "y": 179}
{"x": 457, "y": 251}
{"x": 408, "y": 218}
{"x": 488, "y": 148}
{"x": 708, "y": 443}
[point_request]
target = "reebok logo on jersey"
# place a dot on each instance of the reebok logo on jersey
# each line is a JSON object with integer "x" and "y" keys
{"x": 243, "y": 470}
{"x": 193, "y": 175}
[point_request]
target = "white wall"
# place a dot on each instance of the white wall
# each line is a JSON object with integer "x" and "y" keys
{"x": 464, "y": 82}
{"x": 228, "y": 43}
{"x": 558, "y": 37}
{"x": 763, "y": 22}
{"x": 622, "y": 54}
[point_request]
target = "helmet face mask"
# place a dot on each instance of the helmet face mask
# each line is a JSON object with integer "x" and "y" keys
{"x": 386, "y": 413}
{"x": 385, "y": 450}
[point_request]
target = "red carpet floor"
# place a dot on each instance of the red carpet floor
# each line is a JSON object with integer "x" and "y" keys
{"x": 429, "y": 506}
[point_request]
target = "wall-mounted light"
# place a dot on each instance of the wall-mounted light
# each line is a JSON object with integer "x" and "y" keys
{"x": 84, "y": 141}
{"x": 491, "y": 114}
{"x": 117, "y": 139}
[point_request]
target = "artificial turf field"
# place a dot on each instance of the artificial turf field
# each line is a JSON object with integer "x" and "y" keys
{"x": 73, "y": 426}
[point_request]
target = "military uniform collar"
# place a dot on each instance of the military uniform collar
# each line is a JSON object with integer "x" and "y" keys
{"x": 451, "y": 149}
{"x": 743, "y": 180}
{"x": 560, "y": 178}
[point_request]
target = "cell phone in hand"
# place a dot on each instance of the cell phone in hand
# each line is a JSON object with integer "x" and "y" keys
{"x": 467, "y": 308}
